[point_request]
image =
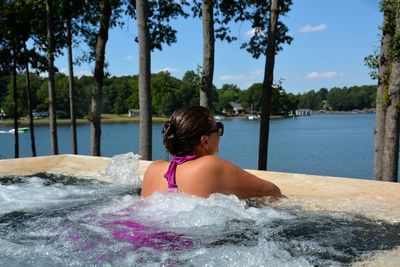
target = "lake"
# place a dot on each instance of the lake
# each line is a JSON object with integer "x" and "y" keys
{"x": 325, "y": 144}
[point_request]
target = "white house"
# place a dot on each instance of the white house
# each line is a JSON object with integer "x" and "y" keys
{"x": 233, "y": 108}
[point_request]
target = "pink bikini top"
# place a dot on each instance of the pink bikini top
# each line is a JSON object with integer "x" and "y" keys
{"x": 171, "y": 172}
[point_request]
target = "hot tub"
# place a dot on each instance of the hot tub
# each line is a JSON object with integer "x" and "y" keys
{"x": 63, "y": 210}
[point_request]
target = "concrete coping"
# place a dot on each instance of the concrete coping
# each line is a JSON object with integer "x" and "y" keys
{"x": 372, "y": 199}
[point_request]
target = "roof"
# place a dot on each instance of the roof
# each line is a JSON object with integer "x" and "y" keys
{"x": 235, "y": 105}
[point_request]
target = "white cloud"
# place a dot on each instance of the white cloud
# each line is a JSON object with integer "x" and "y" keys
{"x": 250, "y": 33}
{"x": 84, "y": 73}
{"x": 242, "y": 77}
{"x": 64, "y": 70}
{"x": 324, "y": 75}
{"x": 311, "y": 28}
{"x": 168, "y": 69}
{"x": 44, "y": 74}
{"x": 128, "y": 58}
{"x": 258, "y": 72}
{"x": 253, "y": 31}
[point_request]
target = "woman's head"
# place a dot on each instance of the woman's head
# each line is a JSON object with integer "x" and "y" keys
{"x": 184, "y": 130}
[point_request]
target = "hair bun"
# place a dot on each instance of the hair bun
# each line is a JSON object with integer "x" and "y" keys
{"x": 169, "y": 130}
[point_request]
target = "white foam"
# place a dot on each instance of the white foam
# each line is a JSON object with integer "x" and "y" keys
{"x": 82, "y": 237}
{"x": 123, "y": 170}
{"x": 33, "y": 194}
{"x": 194, "y": 211}
{"x": 264, "y": 254}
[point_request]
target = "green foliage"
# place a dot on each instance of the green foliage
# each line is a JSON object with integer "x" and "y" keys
{"x": 394, "y": 50}
{"x": 386, "y": 97}
{"x": 228, "y": 93}
{"x": 389, "y": 9}
{"x": 339, "y": 99}
{"x": 258, "y": 13}
{"x": 225, "y": 11}
{"x": 251, "y": 98}
{"x": 371, "y": 61}
{"x": 164, "y": 91}
{"x": 170, "y": 93}
{"x": 160, "y": 14}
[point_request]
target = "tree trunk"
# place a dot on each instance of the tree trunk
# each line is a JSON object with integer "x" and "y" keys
{"x": 15, "y": 103}
{"x": 383, "y": 82}
{"x": 392, "y": 118}
{"x": 51, "y": 84}
{"x": 388, "y": 100}
{"x": 142, "y": 11}
{"x": 97, "y": 92}
{"x": 267, "y": 88}
{"x": 29, "y": 100}
{"x": 207, "y": 8}
{"x": 71, "y": 80}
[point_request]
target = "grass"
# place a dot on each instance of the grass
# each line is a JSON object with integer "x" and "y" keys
{"x": 105, "y": 118}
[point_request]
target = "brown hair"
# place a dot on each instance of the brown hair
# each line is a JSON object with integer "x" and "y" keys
{"x": 182, "y": 132}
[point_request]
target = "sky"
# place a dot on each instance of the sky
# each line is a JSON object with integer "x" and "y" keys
{"x": 331, "y": 39}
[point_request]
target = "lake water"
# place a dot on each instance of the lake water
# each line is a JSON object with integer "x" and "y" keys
{"x": 326, "y": 144}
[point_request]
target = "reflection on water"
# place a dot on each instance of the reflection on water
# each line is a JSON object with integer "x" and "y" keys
{"x": 326, "y": 144}
{"x": 47, "y": 222}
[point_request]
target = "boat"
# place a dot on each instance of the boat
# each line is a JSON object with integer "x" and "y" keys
{"x": 218, "y": 117}
{"x": 253, "y": 117}
{"x": 20, "y": 130}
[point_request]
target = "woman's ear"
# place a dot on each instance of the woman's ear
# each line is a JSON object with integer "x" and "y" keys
{"x": 204, "y": 141}
{"x": 202, "y": 148}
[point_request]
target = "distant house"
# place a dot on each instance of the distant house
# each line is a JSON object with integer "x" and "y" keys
{"x": 133, "y": 112}
{"x": 233, "y": 108}
{"x": 303, "y": 112}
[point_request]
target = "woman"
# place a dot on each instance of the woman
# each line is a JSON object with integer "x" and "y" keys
{"x": 191, "y": 135}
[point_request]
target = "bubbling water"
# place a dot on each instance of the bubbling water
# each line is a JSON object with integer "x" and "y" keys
{"x": 50, "y": 220}
{"x": 123, "y": 170}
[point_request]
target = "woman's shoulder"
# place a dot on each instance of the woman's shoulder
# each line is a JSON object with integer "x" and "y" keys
{"x": 157, "y": 165}
{"x": 212, "y": 161}
{"x": 210, "y": 165}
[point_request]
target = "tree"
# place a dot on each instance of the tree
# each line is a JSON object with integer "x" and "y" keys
{"x": 9, "y": 46}
{"x": 228, "y": 93}
{"x": 142, "y": 10}
{"x": 14, "y": 71}
{"x": 16, "y": 21}
{"x": 70, "y": 12}
{"x": 207, "y": 8}
{"x": 267, "y": 88}
{"x": 388, "y": 96}
{"x": 188, "y": 91}
{"x": 97, "y": 92}
{"x": 153, "y": 30}
{"x": 51, "y": 86}
{"x": 29, "y": 100}
{"x": 216, "y": 15}
{"x": 269, "y": 35}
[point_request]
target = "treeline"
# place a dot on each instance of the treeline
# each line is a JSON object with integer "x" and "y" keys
{"x": 339, "y": 99}
{"x": 170, "y": 93}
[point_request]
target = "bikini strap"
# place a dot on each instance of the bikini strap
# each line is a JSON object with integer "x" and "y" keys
{"x": 171, "y": 172}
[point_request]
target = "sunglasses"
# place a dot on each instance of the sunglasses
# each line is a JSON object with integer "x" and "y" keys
{"x": 218, "y": 128}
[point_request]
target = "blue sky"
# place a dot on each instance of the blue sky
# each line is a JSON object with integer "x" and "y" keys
{"x": 331, "y": 39}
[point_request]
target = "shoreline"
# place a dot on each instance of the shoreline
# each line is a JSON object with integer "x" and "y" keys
{"x": 107, "y": 119}
{"x": 111, "y": 118}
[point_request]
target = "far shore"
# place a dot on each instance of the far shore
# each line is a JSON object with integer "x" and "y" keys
{"x": 105, "y": 118}
{"x": 116, "y": 118}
